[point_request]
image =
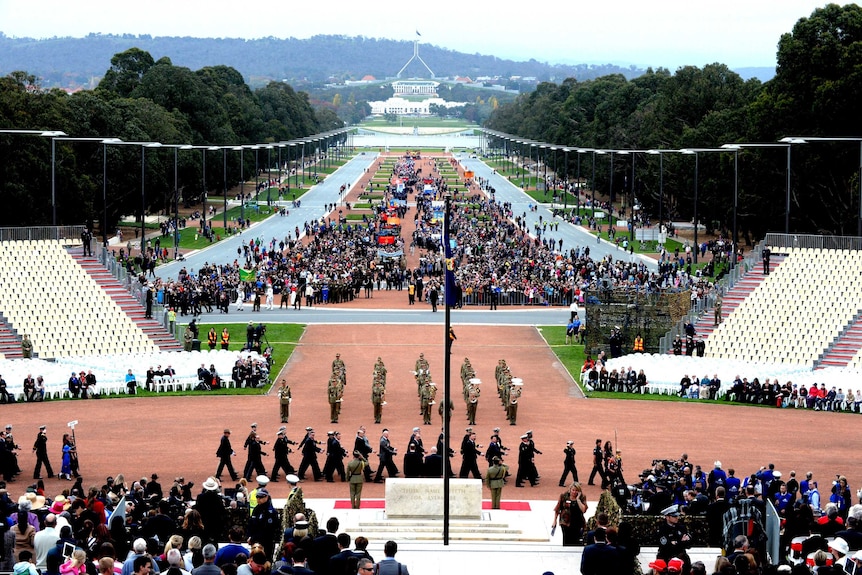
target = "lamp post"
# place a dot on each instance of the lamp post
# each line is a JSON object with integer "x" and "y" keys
{"x": 593, "y": 186}
{"x": 176, "y": 233}
{"x": 736, "y": 147}
{"x": 294, "y": 145}
{"x": 566, "y": 178}
{"x": 806, "y": 139}
{"x": 695, "y": 152}
{"x": 54, "y": 140}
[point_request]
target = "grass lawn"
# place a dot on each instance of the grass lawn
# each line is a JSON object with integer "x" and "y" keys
{"x": 282, "y": 337}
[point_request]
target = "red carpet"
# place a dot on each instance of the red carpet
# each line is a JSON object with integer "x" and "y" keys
{"x": 381, "y": 504}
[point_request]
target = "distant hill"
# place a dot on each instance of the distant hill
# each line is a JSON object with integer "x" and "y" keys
{"x": 80, "y": 62}
{"x": 764, "y": 74}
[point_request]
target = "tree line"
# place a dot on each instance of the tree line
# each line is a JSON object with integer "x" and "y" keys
{"x": 814, "y": 93}
{"x": 139, "y": 99}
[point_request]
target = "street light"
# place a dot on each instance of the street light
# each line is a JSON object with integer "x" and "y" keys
{"x": 736, "y": 147}
{"x": 695, "y": 152}
{"x": 593, "y": 201}
{"x": 806, "y": 139}
{"x": 176, "y": 233}
{"x": 54, "y": 140}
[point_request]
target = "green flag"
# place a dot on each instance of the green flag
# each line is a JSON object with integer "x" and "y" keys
{"x": 247, "y": 275}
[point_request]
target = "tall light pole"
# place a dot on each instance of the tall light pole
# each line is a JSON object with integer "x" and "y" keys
{"x": 695, "y": 152}
{"x": 593, "y": 186}
{"x": 566, "y": 178}
{"x": 788, "y": 146}
{"x": 54, "y": 140}
{"x": 176, "y": 234}
{"x": 806, "y": 139}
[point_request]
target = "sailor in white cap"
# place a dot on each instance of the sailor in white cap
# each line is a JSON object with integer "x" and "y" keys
{"x": 673, "y": 537}
{"x": 280, "y": 450}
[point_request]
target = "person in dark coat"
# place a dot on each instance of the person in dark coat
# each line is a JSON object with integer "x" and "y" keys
{"x": 600, "y": 558}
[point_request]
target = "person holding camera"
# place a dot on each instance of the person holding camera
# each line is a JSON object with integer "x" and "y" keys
{"x": 356, "y": 478}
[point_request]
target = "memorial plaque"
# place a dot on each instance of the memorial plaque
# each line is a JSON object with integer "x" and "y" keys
{"x": 423, "y": 497}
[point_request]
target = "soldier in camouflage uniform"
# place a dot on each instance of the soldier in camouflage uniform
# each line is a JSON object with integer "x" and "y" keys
{"x": 378, "y": 397}
{"x": 473, "y": 401}
{"x": 514, "y": 395}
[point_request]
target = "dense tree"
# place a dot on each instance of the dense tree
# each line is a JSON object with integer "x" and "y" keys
{"x": 126, "y": 72}
{"x": 140, "y": 100}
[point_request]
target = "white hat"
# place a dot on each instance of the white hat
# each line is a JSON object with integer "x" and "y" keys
{"x": 840, "y": 545}
{"x": 210, "y": 484}
{"x": 293, "y": 479}
{"x": 717, "y": 464}
{"x": 262, "y": 479}
{"x": 776, "y": 474}
{"x": 673, "y": 510}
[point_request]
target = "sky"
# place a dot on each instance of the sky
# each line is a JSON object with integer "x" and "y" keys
{"x": 661, "y": 33}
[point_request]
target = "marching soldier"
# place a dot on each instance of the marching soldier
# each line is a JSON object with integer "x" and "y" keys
{"x": 422, "y": 364}
{"x": 310, "y": 449}
{"x": 440, "y": 410}
{"x": 335, "y": 454}
{"x": 514, "y": 394}
{"x": 335, "y": 390}
{"x": 284, "y": 400}
{"x": 280, "y": 450}
{"x": 378, "y": 398}
{"x": 473, "y": 401}
{"x": 429, "y": 392}
{"x": 569, "y": 464}
{"x": 339, "y": 367}
{"x": 380, "y": 371}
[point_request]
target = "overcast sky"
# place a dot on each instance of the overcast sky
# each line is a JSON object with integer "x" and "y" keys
{"x": 667, "y": 33}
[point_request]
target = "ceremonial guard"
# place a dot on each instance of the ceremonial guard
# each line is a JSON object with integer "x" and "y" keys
{"x": 496, "y": 478}
{"x": 356, "y": 477}
{"x": 284, "y": 399}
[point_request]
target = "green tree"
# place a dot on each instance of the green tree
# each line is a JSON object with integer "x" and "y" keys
{"x": 126, "y": 72}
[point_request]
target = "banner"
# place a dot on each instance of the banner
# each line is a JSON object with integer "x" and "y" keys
{"x": 247, "y": 275}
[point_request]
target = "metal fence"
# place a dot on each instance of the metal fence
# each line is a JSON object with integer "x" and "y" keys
{"x": 778, "y": 241}
{"x": 66, "y": 234}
